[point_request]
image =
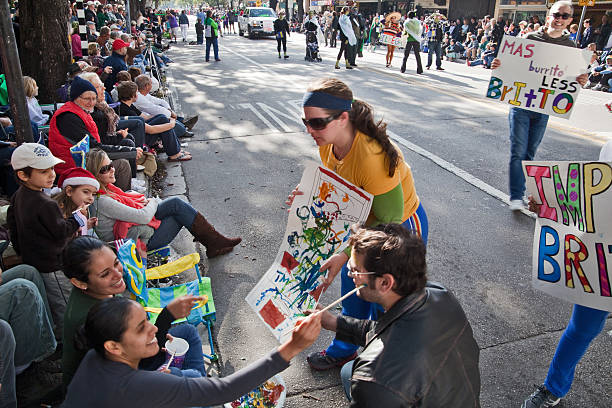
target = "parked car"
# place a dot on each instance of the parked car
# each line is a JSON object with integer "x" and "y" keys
{"x": 257, "y": 21}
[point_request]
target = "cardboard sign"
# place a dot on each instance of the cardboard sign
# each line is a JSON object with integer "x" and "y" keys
{"x": 538, "y": 76}
{"x": 392, "y": 40}
{"x": 588, "y": 3}
{"x": 572, "y": 242}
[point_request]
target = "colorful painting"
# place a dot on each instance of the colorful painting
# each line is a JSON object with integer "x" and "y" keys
{"x": 318, "y": 227}
{"x": 572, "y": 243}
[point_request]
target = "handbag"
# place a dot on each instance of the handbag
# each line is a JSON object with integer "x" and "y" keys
{"x": 208, "y": 31}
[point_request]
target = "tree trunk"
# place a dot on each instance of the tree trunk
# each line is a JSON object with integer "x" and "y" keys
{"x": 300, "y": 4}
{"x": 135, "y": 7}
{"x": 45, "y": 50}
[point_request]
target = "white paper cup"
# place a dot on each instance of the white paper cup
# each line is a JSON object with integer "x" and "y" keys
{"x": 179, "y": 348}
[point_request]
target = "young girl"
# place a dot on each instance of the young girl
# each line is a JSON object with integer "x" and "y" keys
{"x": 78, "y": 189}
{"x": 391, "y": 28}
{"x": 31, "y": 91}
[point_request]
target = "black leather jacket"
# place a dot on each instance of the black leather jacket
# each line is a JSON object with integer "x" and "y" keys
{"x": 421, "y": 353}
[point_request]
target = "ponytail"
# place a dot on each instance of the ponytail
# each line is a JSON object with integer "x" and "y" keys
{"x": 362, "y": 118}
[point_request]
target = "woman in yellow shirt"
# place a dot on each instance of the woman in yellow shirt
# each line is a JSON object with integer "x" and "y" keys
{"x": 354, "y": 145}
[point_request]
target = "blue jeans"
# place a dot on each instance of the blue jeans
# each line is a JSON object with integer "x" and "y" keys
{"x": 193, "y": 366}
{"x": 215, "y": 44}
{"x": 354, "y": 306}
{"x": 179, "y": 128}
{"x": 526, "y": 131}
{"x": 169, "y": 138}
{"x": 174, "y": 214}
{"x": 345, "y": 375}
{"x": 434, "y": 47}
{"x": 136, "y": 126}
{"x": 584, "y": 325}
{"x": 8, "y": 392}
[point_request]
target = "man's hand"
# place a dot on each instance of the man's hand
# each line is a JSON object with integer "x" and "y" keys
{"x": 138, "y": 153}
{"x": 173, "y": 122}
{"x": 582, "y": 79}
{"x": 496, "y": 63}
{"x": 181, "y": 306}
{"x": 123, "y": 133}
{"x": 173, "y": 115}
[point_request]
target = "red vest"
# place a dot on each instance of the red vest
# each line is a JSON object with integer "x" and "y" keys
{"x": 59, "y": 145}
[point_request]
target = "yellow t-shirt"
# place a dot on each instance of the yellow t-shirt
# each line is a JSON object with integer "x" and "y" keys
{"x": 367, "y": 167}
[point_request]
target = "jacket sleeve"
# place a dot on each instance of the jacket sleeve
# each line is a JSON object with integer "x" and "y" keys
{"x": 352, "y": 330}
{"x": 370, "y": 394}
{"x": 12, "y": 227}
{"x": 54, "y": 222}
{"x": 115, "y": 210}
{"x": 93, "y": 143}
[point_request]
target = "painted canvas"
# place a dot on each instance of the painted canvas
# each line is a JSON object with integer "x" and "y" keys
{"x": 317, "y": 228}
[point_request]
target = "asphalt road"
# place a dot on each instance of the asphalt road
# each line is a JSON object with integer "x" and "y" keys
{"x": 249, "y": 152}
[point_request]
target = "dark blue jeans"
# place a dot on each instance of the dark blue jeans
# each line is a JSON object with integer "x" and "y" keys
{"x": 434, "y": 47}
{"x": 526, "y": 131}
{"x": 174, "y": 214}
{"x": 215, "y": 44}
{"x": 136, "y": 126}
{"x": 169, "y": 138}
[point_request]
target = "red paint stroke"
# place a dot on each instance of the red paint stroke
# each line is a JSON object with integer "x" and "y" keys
{"x": 271, "y": 315}
{"x": 317, "y": 292}
{"x": 289, "y": 262}
{"x": 349, "y": 186}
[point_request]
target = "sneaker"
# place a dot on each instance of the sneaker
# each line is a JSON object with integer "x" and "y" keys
{"x": 403, "y": 69}
{"x": 541, "y": 398}
{"x": 279, "y": 56}
{"x": 516, "y": 205}
{"x": 598, "y": 87}
{"x": 589, "y": 85}
{"x": 286, "y": 56}
{"x": 440, "y": 69}
{"x": 190, "y": 123}
{"x": 320, "y": 361}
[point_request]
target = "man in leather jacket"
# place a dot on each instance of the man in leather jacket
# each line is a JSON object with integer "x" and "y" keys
{"x": 421, "y": 351}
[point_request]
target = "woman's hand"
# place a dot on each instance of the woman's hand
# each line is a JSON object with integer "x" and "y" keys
{"x": 304, "y": 334}
{"x": 533, "y": 206}
{"x": 582, "y": 79}
{"x": 123, "y": 133}
{"x": 296, "y": 191}
{"x": 181, "y": 306}
{"x": 333, "y": 266}
{"x": 138, "y": 153}
{"x": 92, "y": 222}
{"x": 108, "y": 70}
{"x": 496, "y": 63}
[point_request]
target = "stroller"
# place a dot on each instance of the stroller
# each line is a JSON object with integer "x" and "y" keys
{"x": 312, "y": 45}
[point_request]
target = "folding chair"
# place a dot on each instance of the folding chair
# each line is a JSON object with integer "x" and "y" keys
{"x": 155, "y": 299}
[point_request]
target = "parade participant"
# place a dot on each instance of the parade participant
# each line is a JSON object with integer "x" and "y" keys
{"x": 118, "y": 212}
{"x": 584, "y": 326}
{"x": 412, "y": 27}
{"x": 96, "y": 274}
{"x": 356, "y": 147}
{"x": 392, "y": 28}
{"x": 374, "y": 32}
{"x": 121, "y": 336}
{"x": 281, "y": 29}
{"x": 436, "y": 368}
{"x": 347, "y": 37}
{"x": 527, "y": 127}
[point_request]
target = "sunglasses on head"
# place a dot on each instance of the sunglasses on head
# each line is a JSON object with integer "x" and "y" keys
{"x": 562, "y": 16}
{"x": 320, "y": 123}
{"x": 106, "y": 169}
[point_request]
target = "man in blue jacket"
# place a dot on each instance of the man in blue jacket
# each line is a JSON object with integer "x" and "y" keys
{"x": 117, "y": 62}
{"x": 587, "y": 35}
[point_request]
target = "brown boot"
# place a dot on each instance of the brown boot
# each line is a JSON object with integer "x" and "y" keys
{"x": 216, "y": 244}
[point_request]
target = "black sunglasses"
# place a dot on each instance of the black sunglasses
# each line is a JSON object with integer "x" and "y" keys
{"x": 562, "y": 16}
{"x": 106, "y": 169}
{"x": 320, "y": 123}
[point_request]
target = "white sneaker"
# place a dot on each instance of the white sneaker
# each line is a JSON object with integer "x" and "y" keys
{"x": 516, "y": 205}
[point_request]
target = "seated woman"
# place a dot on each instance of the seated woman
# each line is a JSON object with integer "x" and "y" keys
{"x": 73, "y": 121}
{"x": 121, "y": 336}
{"x": 97, "y": 274}
{"x": 119, "y": 212}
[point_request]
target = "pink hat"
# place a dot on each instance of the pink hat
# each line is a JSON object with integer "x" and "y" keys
{"x": 77, "y": 176}
{"x": 119, "y": 43}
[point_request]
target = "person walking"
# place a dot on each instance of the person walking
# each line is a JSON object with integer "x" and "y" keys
{"x": 281, "y": 29}
{"x": 391, "y": 29}
{"x": 412, "y": 27}
{"x": 211, "y": 32}
{"x": 334, "y": 33}
{"x": 347, "y": 38}
{"x": 184, "y": 23}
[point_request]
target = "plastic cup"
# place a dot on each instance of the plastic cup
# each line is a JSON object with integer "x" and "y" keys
{"x": 179, "y": 348}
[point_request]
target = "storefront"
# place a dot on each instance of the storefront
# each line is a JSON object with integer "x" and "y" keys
{"x": 519, "y": 10}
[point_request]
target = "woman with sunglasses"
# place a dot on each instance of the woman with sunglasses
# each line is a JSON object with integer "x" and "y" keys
{"x": 155, "y": 221}
{"x": 354, "y": 145}
{"x": 96, "y": 274}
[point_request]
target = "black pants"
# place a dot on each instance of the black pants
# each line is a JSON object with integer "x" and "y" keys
{"x": 415, "y": 46}
{"x": 333, "y": 39}
{"x": 351, "y": 53}
{"x": 343, "y": 49}
{"x": 283, "y": 41}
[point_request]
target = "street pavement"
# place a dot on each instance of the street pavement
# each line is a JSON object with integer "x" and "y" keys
{"x": 249, "y": 152}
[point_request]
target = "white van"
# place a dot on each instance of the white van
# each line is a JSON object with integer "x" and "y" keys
{"x": 257, "y": 21}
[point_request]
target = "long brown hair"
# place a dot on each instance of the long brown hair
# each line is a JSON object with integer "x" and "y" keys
{"x": 361, "y": 116}
{"x": 65, "y": 202}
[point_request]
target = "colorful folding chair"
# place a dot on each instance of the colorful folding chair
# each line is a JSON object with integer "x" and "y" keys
{"x": 155, "y": 299}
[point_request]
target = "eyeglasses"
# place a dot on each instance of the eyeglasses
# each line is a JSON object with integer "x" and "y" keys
{"x": 89, "y": 99}
{"x": 320, "y": 123}
{"x": 106, "y": 169}
{"x": 562, "y": 16}
{"x": 353, "y": 273}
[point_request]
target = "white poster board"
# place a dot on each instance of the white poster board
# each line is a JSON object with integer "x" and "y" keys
{"x": 317, "y": 228}
{"x": 392, "y": 40}
{"x": 538, "y": 76}
{"x": 572, "y": 243}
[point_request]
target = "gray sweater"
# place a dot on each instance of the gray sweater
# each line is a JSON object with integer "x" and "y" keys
{"x": 103, "y": 383}
{"x": 109, "y": 210}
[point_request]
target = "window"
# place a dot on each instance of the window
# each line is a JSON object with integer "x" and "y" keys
{"x": 262, "y": 13}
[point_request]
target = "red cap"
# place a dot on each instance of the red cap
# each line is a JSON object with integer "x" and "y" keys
{"x": 119, "y": 43}
{"x": 78, "y": 176}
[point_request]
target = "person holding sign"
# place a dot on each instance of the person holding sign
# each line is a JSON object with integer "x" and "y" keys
{"x": 392, "y": 29}
{"x": 584, "y": 326}
{"x": 358, "y": 149}
{"x": 527, "y": 127}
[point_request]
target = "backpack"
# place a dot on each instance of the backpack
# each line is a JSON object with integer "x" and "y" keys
{"x": 3, "y": 91}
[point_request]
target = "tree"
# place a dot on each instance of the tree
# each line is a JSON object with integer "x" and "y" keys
{"x": 135, "y": 7}
{"x": 300, "y": 4}
{"x": 45, "y": 50}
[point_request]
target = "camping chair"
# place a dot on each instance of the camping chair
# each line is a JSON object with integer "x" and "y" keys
{"x": 155, "y": 299}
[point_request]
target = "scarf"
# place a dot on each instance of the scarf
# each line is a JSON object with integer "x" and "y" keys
{"x": 111, "y": 117}
{"x": 134, "y": 200}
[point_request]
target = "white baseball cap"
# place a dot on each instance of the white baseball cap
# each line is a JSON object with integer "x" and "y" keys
{"x": 33, "y": 155}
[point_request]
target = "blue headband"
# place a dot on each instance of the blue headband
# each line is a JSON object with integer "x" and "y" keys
{"x": 326, "y": 101}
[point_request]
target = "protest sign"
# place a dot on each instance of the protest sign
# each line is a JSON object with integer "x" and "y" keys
{"x": 389, "y": 39}
{"x": 572, "y": 243}
{"x": 318, "y": 227}
{"x": 538, "y": 76}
